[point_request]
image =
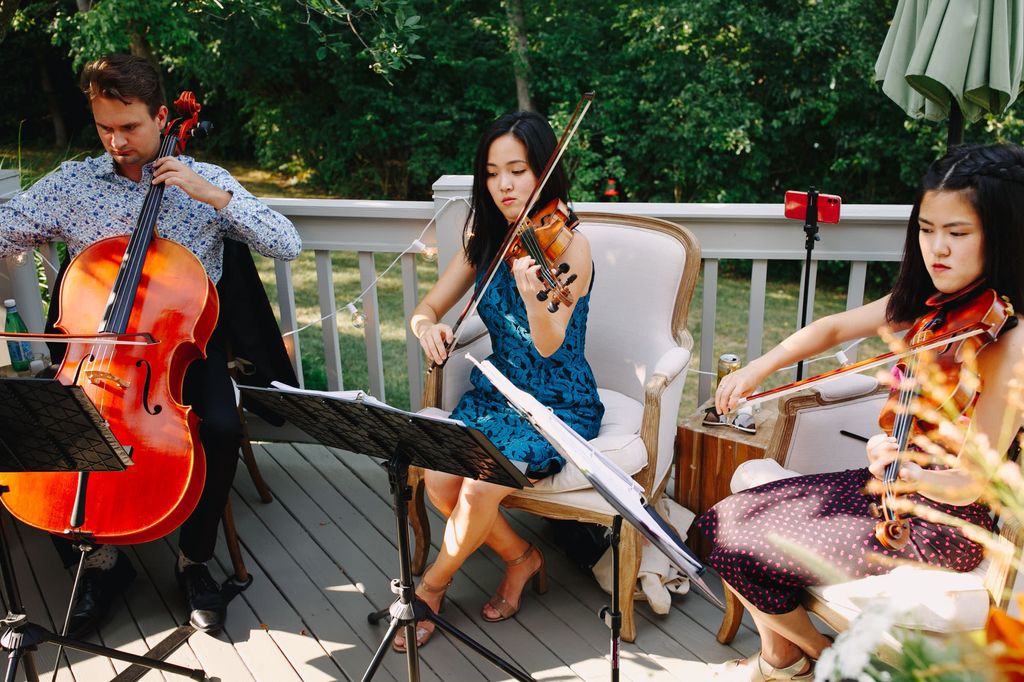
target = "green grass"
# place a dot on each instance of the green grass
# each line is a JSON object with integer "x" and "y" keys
{"x": 730, "y": 327}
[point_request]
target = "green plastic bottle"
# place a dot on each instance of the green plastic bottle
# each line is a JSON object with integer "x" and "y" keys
{"x": 21, "y": 351}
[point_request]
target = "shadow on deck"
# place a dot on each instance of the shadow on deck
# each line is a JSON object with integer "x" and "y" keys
{"x": 322, "y": 556}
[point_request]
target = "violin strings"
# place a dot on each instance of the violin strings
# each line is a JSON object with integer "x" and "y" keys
{"x": 529, "y": 239}
{"x": 902, "y": 422}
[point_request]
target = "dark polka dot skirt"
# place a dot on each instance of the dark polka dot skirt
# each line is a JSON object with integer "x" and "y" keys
{"x": 827, "y": 514}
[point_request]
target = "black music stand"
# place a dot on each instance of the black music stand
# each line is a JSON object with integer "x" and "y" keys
{"x": 362, "y": 424}
{"x": 46, "y": 426}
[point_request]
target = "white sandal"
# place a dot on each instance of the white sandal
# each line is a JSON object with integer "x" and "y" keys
{"x": 756, "y": 669}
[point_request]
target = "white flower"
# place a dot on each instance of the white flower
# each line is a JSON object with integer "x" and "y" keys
{"x": 850, "y": 656}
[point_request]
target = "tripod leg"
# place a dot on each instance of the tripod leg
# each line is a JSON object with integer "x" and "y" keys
{"x": 84, "y": 549}
{"x": 12, "y": 665}
{"x": 389, "y": 637}
{"x": 495, "y": 660}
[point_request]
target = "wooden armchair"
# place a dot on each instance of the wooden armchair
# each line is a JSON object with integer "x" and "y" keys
{"x": 809, "y": 428}
{"x": 639, "y": 349}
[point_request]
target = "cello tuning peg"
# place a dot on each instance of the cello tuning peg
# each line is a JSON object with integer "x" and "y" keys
{"x": 570, "y": 279}
{"x": 553, "y": 307}
{"x": 542, "y": 295}
{"x": 563, "y": 268}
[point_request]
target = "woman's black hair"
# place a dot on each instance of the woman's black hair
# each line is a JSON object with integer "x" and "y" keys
{"x": 487, "y": 225}
{"x": 992, "y": 179}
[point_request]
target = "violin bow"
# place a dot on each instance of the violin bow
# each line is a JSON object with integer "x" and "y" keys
{"x": 868, "y": 363}
{"x": 101, "y": 339}
{"x": 556, "y": 155}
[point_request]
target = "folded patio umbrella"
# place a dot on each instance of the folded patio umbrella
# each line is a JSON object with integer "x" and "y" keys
{"x": 617, "y": 488}
{"x": 951, "y": 57}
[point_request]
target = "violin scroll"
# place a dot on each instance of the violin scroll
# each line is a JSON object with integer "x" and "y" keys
{"x": 892, "y": 531}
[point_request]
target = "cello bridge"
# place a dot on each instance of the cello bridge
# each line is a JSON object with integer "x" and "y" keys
{"x": 100, "y": 377}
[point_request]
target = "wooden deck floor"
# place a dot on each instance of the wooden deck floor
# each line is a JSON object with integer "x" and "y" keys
{"x": 322, "y": 555}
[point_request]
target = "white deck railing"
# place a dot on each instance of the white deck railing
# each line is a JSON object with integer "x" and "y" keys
{"x": 725, "y": 231}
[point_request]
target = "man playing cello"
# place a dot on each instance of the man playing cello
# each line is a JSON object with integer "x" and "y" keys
{"x": 83, "y": 202}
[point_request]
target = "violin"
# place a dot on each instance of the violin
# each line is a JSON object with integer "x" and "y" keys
{"x": 544, "y": 236}
{"x": 953, "y": 385}
{"x": 138, "y": 284}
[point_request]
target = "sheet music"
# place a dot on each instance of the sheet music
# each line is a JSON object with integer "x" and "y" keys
{"x": 360, "y": 397}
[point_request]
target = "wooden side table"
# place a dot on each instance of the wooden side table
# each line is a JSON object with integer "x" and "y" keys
{"x": 707, "y": 456}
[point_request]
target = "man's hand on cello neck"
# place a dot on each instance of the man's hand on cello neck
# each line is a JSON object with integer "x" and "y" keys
{"x": 174, "y": 173}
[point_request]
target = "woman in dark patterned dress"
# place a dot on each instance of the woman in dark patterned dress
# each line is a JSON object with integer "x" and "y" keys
{"x": 539, "y": 351}
{"x": 966, "y": 227}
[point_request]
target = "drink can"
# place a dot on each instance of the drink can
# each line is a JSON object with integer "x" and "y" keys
{"x": 727, "y": 364}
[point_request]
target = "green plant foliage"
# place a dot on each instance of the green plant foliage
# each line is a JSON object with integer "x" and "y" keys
{"x": 697, "y": 100}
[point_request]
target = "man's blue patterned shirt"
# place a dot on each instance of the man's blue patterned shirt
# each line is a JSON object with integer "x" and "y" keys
{"x": 85, "y": 201}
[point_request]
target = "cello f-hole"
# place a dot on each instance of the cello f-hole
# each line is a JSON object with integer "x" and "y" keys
{"x": 156, "y": 409}
{"x": 78, "y": 370}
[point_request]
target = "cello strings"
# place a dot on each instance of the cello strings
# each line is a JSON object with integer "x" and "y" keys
{"x": 118, "y": 312}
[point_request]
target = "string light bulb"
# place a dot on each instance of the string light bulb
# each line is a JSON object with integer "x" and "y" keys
{"x": 358, "y": 319}
{"x": 21, "y": 257}
{"x": 429, "y": 253}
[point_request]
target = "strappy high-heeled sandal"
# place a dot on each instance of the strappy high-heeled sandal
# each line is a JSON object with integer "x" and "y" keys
{"x": 539, "y": 578}
{"x": 423, "y": 635}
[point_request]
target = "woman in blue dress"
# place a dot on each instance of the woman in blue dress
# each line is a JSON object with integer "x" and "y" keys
{"x": 539, "y": 351}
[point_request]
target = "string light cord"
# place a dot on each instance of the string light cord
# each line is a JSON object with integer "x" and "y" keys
{"x": 840, "y": 356}
{"x": 417, "y": 246}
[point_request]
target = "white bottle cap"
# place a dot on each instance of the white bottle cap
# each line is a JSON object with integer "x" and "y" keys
{"x": 9, "y": 302}
{"x": 36, "y": 366}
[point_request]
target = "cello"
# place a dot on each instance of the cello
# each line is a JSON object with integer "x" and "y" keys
{"x": 134, "y": 284}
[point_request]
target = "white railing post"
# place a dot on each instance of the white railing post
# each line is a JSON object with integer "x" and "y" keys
{"x": 413, "y": 356}
{"x": 371, "y": 330}
{"x": 289, "y": 323}
{"x": 328, "y": 311}
{"x": 22, "y": 284}
{"x": 451, "y": 199}
{"x": 755, "y": 314}
{"x": 708, "y": 365}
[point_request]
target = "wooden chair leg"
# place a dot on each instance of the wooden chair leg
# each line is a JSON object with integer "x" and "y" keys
{"x": 250, "y": 462}
{"x": 630, "y": 549}
{"x": 419, "y": 522}
{"x": 732, "y": 618}
{"x": 231, "y": 539}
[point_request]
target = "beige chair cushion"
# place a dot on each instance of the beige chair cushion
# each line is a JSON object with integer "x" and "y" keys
{"x": 755, "y": 472}
{"x": 618, "y": 440}
{"x": 930, "y": 599}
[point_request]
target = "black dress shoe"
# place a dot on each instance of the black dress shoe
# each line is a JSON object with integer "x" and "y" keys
{"x": 208, "y": 607}
{"x": 97, "y": 590}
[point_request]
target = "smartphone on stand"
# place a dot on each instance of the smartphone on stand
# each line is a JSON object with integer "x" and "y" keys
{"x": 828, "y": 206}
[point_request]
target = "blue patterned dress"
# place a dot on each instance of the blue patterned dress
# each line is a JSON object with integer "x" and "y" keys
{"x": 564, "y": 381}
